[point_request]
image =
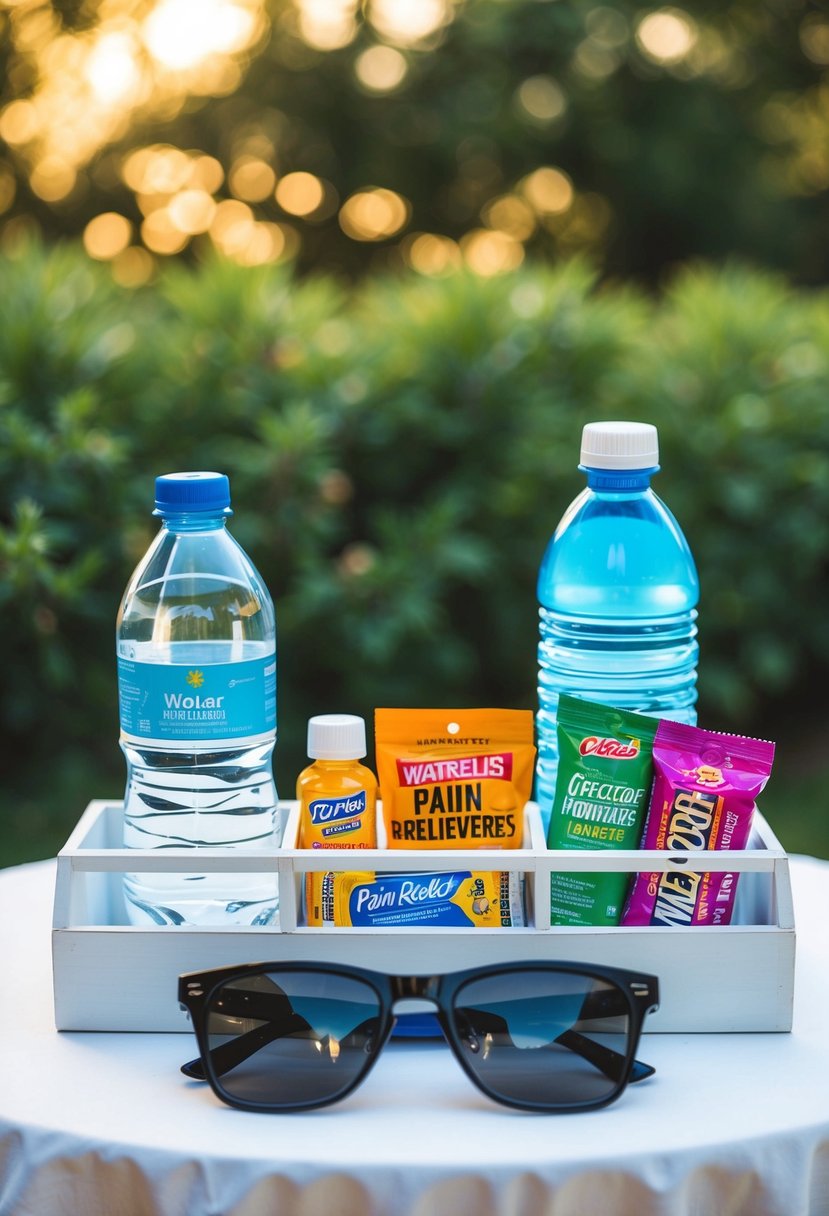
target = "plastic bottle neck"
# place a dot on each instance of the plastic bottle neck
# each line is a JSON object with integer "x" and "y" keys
{"x": 619, "y": 481}
{"x": 197, "y": 521}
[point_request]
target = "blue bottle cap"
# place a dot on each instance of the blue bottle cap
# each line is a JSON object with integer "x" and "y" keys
{"x": 189, "y": 493}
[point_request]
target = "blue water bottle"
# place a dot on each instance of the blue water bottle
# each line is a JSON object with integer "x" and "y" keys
{"x": 196, "y": 641}
{"x": 617, "y": 593}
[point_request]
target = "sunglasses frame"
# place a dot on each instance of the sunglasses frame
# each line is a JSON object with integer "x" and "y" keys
{"x": 640, "y": 993}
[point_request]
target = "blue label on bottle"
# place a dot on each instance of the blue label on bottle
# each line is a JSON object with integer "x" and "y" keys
{"x": 180, "y": 702}
{"x": 337, "y": 816}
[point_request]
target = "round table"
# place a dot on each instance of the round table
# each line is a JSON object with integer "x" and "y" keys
{"x": 730, "y": 1124}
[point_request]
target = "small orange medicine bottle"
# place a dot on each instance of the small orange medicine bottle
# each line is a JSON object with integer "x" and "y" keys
{"x": 337, "y": 795}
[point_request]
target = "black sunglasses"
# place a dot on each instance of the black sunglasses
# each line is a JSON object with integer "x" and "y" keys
{"x": 539, "y": 1036}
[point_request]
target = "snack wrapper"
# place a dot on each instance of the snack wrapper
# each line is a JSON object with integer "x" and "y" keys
{"x": 454, "y": 778}
{"x": 489, "y": 899}
{"x": 604, "y": 780}
{"x": 705, "y": 786}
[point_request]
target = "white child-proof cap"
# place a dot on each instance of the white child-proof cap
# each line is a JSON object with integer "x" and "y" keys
{"x": 619, "y": 445}
{"x": 336, "y": 737}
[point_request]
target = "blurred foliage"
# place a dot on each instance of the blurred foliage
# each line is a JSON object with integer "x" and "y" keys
{"x": 399, "y": 454}
{"x": 157, "y": 127}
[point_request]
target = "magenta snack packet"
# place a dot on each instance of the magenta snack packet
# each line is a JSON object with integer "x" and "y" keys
{"x": 704, "y": 789}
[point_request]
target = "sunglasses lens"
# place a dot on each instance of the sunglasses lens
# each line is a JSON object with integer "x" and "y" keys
{"x": 544, "y": 1039}
{"x": 292, "y": 1038}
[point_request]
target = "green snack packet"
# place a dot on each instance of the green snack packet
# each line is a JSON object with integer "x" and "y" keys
{"x": 605, "y": 771}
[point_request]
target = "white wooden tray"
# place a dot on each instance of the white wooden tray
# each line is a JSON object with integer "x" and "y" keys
{"x": 110, "y": 975}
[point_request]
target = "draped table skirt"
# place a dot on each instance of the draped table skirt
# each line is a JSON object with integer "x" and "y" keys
{"x": 734, "y": 1124}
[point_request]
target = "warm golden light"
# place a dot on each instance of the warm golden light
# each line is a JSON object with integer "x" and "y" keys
{"x": 52, "y": 179}
{"x": 191, "y": 211}
{"x": 159, "y": 169}
{"x": 373, "y": 215}
{"x": 510, "y": 214}
{"x": 300, "y": 193}
{"x": 380, "y": 68}
{"x": 428, "y": 253}
{"x": 542, "y": 99}
{"x": 229, "y": 213}
{"x": 88, "y": 86}
{"x": 666, "y": 35}
{"x": 238, "y": 236}
{"x": 111, "y": 69}
{"x": 180, "y": 34}
{"x": 549, "y": 191}
{"x": 156, "y": 172}
{"x": 251, "y": 179}
{"x": 107, "y": 235}
{"x": 489, "y": 253}
{"x": 206, "y": 173}
{"x": 265, "y": 244}
{"x": 327, "y": 24}
{"x": 160, "y": 234}
{"x": 19, "y": 122}
{"x": 408, "y": 22}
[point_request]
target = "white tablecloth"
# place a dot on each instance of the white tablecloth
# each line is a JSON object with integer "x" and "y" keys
{"x": 731, "y": 1125}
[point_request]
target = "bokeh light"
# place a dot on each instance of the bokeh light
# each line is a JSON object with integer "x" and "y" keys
{"x": 52, "y": 178}
{"x": 107, "y": 235}
{"x": 380, "y": 69}
{"x": 300, "y": 193}
{"x": 373, "y": 215}
{"x": 160, "y": 234}
{"x": 489, "y": 253}
{"x": 431, "y": 254}
{"x": 18, "y": 122}
{"x": 548, "y": 190}
{"x": 181, "y": 34}
{"x": 87, "y": 86}
{"x": 191, "y": 211}
{"x": 511, "y": 214}
{"x": 91, "y": 75}
{"x": 112, "y": 69}
{"x": 666, "y": 35}
{"x": 542, "y": 99}
{"x": 408, "y": 22}
{"x": 327, "y": 25}
{"x": 251, "y": 179}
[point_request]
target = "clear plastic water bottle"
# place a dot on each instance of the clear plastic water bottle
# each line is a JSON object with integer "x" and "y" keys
{"x": 617, "y": 593}
{"x": 196, "y": 643}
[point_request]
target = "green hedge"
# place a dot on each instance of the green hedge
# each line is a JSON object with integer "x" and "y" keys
{"x": 399, "y": 454}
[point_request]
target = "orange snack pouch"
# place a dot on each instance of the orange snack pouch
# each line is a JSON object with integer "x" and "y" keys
{"x": 454, "y": 778}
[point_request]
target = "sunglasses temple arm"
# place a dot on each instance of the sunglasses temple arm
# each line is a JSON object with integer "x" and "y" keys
{"x": 235, "y": 1051}
{"x": 609, "y": 1062}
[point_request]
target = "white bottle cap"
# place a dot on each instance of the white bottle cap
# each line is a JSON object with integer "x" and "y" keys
{"x": 336, "y": 737}
{"x": 619, "y": 445}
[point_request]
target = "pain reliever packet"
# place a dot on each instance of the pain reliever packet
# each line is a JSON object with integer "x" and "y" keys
{"x": 459, "y": 898}
{"x": 454, "y": 778}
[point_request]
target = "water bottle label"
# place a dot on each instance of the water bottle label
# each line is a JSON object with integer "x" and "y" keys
{"x": 180, "y": 702}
